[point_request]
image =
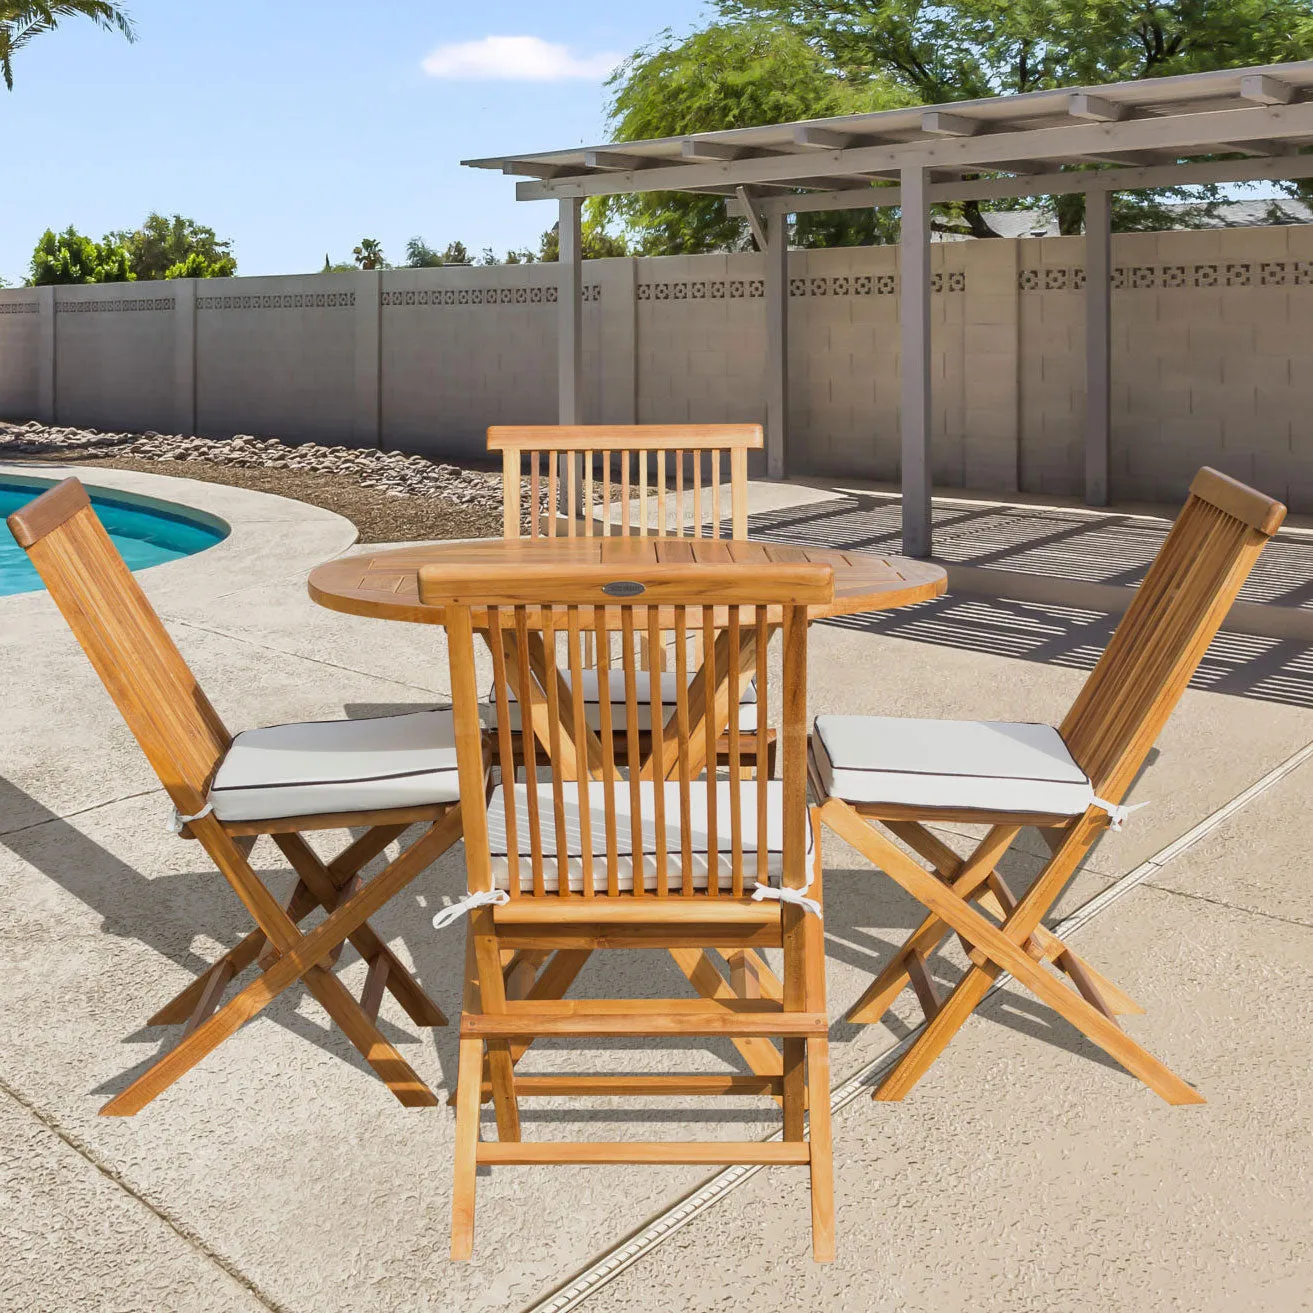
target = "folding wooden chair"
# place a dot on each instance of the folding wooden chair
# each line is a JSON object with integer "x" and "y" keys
{"x": 592, "y": 474}
{"x": 384, "y": 775}
{"x": 630, "y": 852}
{"x": 676, "y": 470}
{"x": 1070, "y": 781}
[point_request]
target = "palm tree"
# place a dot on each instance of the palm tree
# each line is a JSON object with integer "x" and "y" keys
{"x": 21, "y": 20}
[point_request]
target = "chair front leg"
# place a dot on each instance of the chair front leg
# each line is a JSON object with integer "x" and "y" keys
{"x": 967, "y": 878}
{"x": 300, "y": 955}
{"x": 335, "y": 882}
{"x": 1003, "y": 948}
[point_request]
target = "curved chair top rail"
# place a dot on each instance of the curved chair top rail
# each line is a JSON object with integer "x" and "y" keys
{"x": 625, "y": 437}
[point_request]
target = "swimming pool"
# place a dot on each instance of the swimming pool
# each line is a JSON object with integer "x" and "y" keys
{"x": 145, "y": 531}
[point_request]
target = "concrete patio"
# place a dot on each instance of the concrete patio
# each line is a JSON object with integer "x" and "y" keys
{"x": 1023, "y": 1173}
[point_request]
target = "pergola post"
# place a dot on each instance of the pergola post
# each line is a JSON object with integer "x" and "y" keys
{"x": 569, "y": 309}
{"x": 914, "y": 367}
{"x": 1098, "y": 345}
{"x": 570, "y": 331}
{"x": 777, "y": 343}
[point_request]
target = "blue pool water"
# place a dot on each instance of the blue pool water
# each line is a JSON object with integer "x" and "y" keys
{"x": 144, "y": 534}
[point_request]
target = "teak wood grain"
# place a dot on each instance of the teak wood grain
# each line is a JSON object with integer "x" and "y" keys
{"x": 184, "y": 740}
{"x": 582, "y": 460}
{"x": 1110, "y": 729}
{"x": 572, "y": 878}
{"x": 385, "y": 584}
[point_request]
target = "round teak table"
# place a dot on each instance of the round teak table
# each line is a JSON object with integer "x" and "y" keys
{"x": 385, "y": 583}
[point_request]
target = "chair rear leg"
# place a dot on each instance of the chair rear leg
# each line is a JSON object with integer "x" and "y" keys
{"x": 492, "y": 999}
{"x": 464, "y": 1182}
{"x": 795, "y": 1088}
{"x": 821, "y": 1161}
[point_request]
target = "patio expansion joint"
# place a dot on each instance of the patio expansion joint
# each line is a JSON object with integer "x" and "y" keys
{"x": 1256, "y": 912}
{"x": 643, "y": 1239}
{"x": 180, "y": 1229}
{"x": 81, "y": 811}
{"x": 296, "y": 656}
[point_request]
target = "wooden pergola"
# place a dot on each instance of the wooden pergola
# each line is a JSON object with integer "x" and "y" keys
{"x": 1236, "y": 125}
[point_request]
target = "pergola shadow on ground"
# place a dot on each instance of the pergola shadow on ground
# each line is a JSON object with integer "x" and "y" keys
{"x": 1060, "y": 544}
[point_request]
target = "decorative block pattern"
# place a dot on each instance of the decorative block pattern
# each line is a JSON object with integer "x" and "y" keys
{"x": 124, "y": 304}
{"x": 274, "y": 301}
{"x": 817, "y": 285}
{"x": 19, "y": 308}
{"x": 1169, "y": 277}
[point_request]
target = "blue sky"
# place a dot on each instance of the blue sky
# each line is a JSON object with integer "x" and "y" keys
{"x": 296, "y": 127}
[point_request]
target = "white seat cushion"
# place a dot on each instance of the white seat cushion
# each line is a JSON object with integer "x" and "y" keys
{"x": 986, "y": 765}
{"x": 642, "y": 689}
{"x": 337, "y": 765}
{"x": 700, "y": 841}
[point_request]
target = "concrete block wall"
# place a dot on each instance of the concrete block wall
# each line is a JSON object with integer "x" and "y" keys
{"x": 701, "y": 339}
{"x": 277, "y": 356}
{"x": 1211, "y": 334}
{"x": 22, "y": 329}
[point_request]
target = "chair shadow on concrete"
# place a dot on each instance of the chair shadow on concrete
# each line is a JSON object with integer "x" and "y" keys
{"x": 169, "y": 912}
{"x": 1113, "y": 550}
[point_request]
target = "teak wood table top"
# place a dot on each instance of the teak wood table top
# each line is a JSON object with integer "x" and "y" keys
{"x": 385, "y": 583}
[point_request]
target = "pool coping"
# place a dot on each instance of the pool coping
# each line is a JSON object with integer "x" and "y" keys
{"x": 133, "y": 500}
{"x": 269, "y": 536}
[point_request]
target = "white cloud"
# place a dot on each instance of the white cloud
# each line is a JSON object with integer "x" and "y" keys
{"x": 516, "y": 59}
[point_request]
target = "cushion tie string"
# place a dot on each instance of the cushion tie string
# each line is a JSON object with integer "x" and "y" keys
{"x": 454, "y": 911}
{"x": 787, "y": 894}
{"x": 1117, "y": 813}
{"x": 177, "y": 821}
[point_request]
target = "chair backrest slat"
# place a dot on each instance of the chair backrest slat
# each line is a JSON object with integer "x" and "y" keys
{"x": 683, "y": 834}
{"x": 156, "y": 693}
{"x": 714, "y": 452}
{"x": 1176, "y": 613}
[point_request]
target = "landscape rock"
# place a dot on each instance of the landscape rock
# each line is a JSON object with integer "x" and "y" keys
{"x": 398, "y": 474}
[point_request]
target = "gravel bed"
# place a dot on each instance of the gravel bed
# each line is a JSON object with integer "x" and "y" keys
{"x": 390, "y": 496}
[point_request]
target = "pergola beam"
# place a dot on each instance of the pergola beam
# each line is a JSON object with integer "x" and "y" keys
{"x": 753, "y": 218}
{"x": 1064, "y": 184}
{"x": 614, "y": 159}
{"x": 940, "y": 123}
{"x": 1262, "y": 89}
{"x": 1179, "y": 132}
{"x": 821, "y": 138}
{"x": 1097, "y": 109}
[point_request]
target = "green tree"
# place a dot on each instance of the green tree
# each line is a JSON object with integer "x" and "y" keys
{"x": 949, "y": 50}
{"x": 161, "y": 245}
{"x": 598, "y": 243}
{"x": 69, "y": 257}
{"x": 369, "y": 255}
{"x": 420, "y": 255}
{"x": 730, "y": 75}
{"x": 22, "y": 21}
{"x": 456, "y": 254}
{"x": 965, "y": 49}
